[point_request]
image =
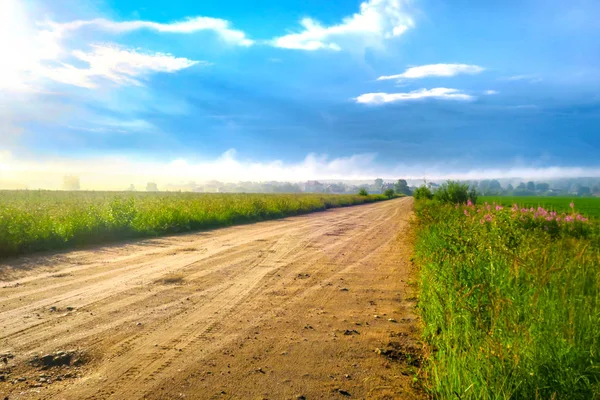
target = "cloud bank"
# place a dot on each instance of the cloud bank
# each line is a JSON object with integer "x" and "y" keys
{"x": 117, "y": 173}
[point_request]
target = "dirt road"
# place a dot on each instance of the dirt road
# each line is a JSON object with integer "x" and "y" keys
{"x": 273, "y": 310}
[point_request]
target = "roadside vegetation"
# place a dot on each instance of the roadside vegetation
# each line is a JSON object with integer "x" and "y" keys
{"x": 44, "y": 220}
{"x": 509, "y": 297}
{"x": 587, "y": 205}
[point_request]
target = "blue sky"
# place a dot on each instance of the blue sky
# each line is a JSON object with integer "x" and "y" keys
{"x": 291, "y": 89}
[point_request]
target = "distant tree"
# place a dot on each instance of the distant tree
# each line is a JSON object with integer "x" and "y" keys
{"x": 522, "y": 186}
{"x": 584, "y": 191}
{"x": 509, "y": 188}
{"x": 531, "y": 185}
{"x": 131, "y": 188}
{"x": 363, "y": 192}
{"x": 151, "y": 187}
{"x": 596, "y": 189}
{"x": 379, "y": 182}
{"x": 423, "y": 192}
{"x": 389, "y": 193}
{"x": 71, "y": 182}
{"x": 542, "y": 187}
{"x": 401, "y": 187}
{"x": 454, "y": 192}
{"x": 495, "y": 185}
{"x": 484, "y": 186}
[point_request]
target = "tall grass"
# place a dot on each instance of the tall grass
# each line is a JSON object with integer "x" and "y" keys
{"x": 42, "y": 220}
{"x": 510, "y": 300}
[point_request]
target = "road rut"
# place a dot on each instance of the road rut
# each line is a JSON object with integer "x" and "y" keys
{"x": 272, "y": 310}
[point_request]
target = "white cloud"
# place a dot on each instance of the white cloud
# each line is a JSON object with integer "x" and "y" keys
{"x": 31, "y": 55}
{"x": 532, "y": 78}
{"x": 490, "y": 92}
{"x": 194, "y": 24}
{"x": 116, "y": 64}
{"x": 22, "y": 48}
{"x": 376, "y": 20}
{"x": 437, "y": 93}
{"x": 444, "y": 70}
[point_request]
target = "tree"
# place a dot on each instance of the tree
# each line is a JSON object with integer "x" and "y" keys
{"x": 495, "y": 185}
{"x": 542, "y": 187}
{"x": 379, "y": 182}
{"x": 455, "y": 192}
{"x": 584, "y": 191}
{"x": 423, "y": 193}
{"x": 363, "y": 192}
{"x": 522, "y": 186}
{"x": 71, "y": 182}
{"x": 531, "y": 186}
{"x": 389, "y": 193}
{"x": 510, "y": 188}
{"x": 151, "y": 187}
{"x": 131, "y": 188}
{"x": 401, "y": 187}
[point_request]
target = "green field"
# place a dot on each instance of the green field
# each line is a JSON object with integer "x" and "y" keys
{"x": 510, "y": 299}
{"x": 589, "y": 206}
{"x": 46, "y": 220}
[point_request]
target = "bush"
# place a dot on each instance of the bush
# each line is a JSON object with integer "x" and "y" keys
{"x": 455, "y": 192}
{"x": 423, "y": 193}
{"x": 363, "y": 192}
{"x": 389, "y": 193}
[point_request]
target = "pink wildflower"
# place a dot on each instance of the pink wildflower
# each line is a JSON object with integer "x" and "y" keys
{"x": 469, "y": 203}
{"x": 549, "y": 218}
{"x": 498, "y": 208}
{"x": 488, "y": 218}
{"x": 466, "y": 213}
{"x": 569, "y": 218}
{"x": 572, "y": 205}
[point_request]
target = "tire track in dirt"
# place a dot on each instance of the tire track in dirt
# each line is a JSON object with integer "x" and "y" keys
{"x": 142, "y": 334}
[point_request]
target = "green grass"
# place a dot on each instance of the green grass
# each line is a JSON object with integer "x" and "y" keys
{"x": 510, "y": 305}
{"x": 587, "y": 205}
{"x": 44, "y": 220}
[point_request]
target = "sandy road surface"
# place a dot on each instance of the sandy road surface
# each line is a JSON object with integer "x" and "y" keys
{"x": 273, "y": 310}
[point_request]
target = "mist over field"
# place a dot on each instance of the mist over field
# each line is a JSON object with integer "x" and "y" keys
{"x": 118, "y": 173}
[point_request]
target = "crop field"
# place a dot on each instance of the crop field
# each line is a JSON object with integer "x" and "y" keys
{"x": 589, "y": 206}
{"x": 45, "y": 220}
{"x": 510, "y": 298}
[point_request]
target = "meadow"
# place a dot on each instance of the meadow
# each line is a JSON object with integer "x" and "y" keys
{"x": 46, "y": 220}
{"x": 589, "y": 206}
{"x": 510, "y": 298}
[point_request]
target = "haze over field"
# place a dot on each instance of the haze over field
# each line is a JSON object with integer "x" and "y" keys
{"x": 129, "y": 92}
